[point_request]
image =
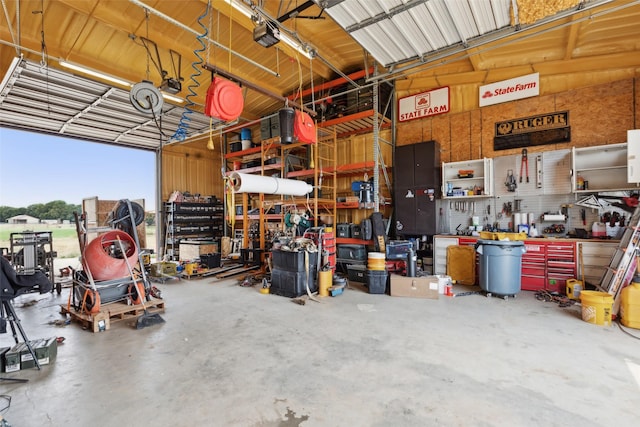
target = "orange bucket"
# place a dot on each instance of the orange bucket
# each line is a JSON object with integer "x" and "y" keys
{"x": 376, "y": 261}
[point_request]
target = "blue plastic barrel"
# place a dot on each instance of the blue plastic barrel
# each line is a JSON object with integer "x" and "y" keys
{"x": 500, "y": 266}
{"x": 245, "y": 133}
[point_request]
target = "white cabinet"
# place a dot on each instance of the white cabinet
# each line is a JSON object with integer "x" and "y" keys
{"x": 440, "y": 245}
{"x": 556, "y": 172}
{"x": 600, "y": 168}
{"x": 467, "y": 179}
{"x": 633, "y": 155}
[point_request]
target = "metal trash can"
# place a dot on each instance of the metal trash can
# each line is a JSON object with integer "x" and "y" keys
{"x": 500, "y": 266}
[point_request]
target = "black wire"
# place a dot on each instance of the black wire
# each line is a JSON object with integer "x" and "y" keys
{"x": 155, "y": 119}
{"x": 8, "y": 399}
{"x": 625, "y": 331}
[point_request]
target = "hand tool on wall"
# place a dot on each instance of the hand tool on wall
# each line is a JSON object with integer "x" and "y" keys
{"x": 538, "y": 171}
{"x": 583, "y": 216}
{"x": 511, "y": 181}
{"x": 524, "y": 162}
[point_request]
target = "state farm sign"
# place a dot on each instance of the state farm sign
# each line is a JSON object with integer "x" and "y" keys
{"x": 510, "y": 90}
{"x": 423, "y": 104}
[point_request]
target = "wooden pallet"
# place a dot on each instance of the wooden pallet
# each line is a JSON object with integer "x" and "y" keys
{"x": 115, "y": 312}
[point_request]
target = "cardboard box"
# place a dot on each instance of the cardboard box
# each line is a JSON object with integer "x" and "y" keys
{"x": 192, "y": 250}
{"x": 416, "y": 287}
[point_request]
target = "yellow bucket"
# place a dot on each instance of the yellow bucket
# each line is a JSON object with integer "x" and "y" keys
{"x": 596, "y": 307}
{"x": 376, "y": 261}
{"x": 325, "y": 279}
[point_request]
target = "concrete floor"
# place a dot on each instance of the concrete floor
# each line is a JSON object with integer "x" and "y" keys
{"x": 231, "y": 356}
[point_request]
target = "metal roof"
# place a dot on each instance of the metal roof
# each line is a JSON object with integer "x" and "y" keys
{"x": 47, "y": 100}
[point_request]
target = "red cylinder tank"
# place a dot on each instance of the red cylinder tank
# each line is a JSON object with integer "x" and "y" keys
{"x": 104, "y": 259}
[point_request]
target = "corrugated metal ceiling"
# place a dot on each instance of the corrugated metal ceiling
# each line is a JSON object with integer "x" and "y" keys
{"x": 47, "y": 100}
{"x": 396, "y": 32}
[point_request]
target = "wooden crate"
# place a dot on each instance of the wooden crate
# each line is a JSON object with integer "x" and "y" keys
{"x": 192, "y": 250}
{"x": 101, "y": 321}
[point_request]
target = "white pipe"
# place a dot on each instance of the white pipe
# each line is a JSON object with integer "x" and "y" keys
{"x": 247, "y": 183}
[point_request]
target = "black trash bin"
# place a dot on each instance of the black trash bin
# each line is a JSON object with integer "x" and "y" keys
{"x": 500, "y": 266}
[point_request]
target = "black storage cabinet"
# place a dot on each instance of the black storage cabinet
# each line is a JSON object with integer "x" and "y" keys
{"x": 417, "y": 186}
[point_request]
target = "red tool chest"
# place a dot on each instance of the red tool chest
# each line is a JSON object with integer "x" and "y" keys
{"x": 534, "y": 266}
{"x": 561, "y": 265}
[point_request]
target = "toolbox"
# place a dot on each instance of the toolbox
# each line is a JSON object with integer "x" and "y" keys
{"x": 343, "y": 230}
{"x": 212, "y": 260}
{"x": 357, "y": 273}
{"x": 352, "y": 252}
{"x": 398, "y": 249}
{"x": 12, "y": 358}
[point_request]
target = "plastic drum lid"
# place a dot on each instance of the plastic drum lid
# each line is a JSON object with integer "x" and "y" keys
{"x": 224, "y": 99}
{"x": 304, "y": 127}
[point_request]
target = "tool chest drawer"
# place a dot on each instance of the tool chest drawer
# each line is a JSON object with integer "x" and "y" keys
{"x": 532, "y": 283}
{"x": 561, "y": 251}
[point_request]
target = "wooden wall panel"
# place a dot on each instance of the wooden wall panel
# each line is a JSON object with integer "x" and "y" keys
{"x": 461, "y": 136}
{"x": 442, "y": 134}
{"x": 636, "y": 105}
{"x": 598, "y": 115}
{"x": 185, "y": 168}
{"x": 413, "y": 132}
{"x": 476, "y": 135}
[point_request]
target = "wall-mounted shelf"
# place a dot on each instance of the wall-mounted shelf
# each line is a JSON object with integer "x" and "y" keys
{"x": 479, "y": 182}
{"x": 600, "y": 168}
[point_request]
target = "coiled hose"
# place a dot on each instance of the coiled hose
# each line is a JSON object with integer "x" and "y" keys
{"x": 183, "y": 126}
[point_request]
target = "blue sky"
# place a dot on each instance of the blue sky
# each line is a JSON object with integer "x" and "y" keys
{"x": 38, "y": 168}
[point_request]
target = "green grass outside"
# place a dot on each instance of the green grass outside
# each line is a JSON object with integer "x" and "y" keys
{"x": 64, "y": 236}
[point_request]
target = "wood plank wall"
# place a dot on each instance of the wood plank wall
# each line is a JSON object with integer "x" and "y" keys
{"x": 598, "y": 115}
{"x": 191, "y": 168}
{"x": 358, "y": 149}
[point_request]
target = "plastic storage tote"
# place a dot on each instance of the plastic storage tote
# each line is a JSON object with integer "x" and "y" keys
{"x": 500, "y": 266}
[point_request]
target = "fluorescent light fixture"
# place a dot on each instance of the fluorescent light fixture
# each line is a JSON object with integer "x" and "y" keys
{"x": 249, "y": 13}
{"x": 94, "y": 73}
{"x": 237, "y": 5}
{"x": 294, "y": 44}
{"x": 170, "y": 97}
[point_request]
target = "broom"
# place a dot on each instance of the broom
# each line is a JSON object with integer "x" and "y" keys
{"x": 146, "y": 318}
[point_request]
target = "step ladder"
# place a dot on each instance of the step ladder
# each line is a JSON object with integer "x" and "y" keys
{"x": 622, "y": 267}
